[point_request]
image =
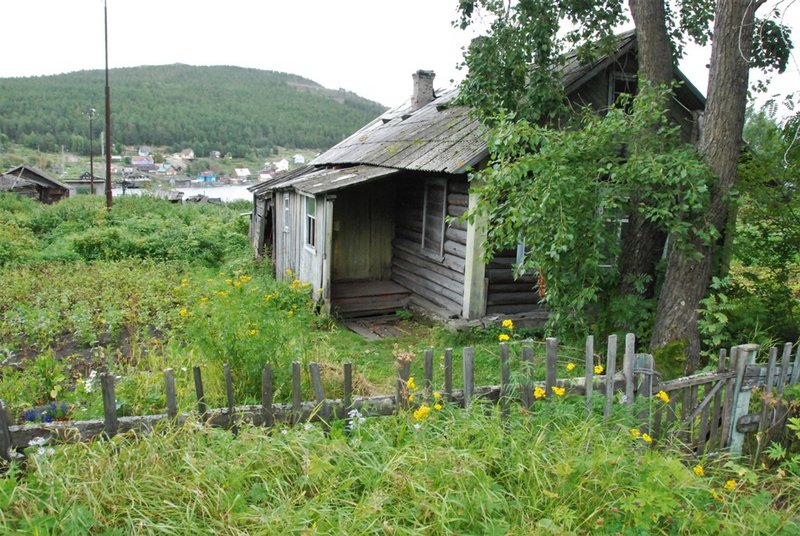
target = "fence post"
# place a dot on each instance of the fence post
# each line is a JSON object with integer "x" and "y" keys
{"x": 765, "y": 418}
{"x": 267, "y": 416}
{"x": 469, "y": 375}
{"x": 588, "y": 378}
{"x": 403, "y": 374}
{"x": 611, "y": 369}
{"x": 552, "y": 357}
{"x": 296, "y": 393}
{"x": 448, "y": 374}
{"x": 428, "y": 373}
{"x": 741, "y": 399}
{"x": 727, "y": 403}
{"x": 795, "y": 367}
{"x": 505, "y": 380}
{"x": 627, "y": 367}
{"x": 169, "y": 389}
{"x": 527, "y": 369}
{"x": 5, "y": 433}
{"x": 347, "y": 398}
{"x": 716, "y": 410}
{"x": 229, "y": 397}
{"x": 202, "y": 408}
{"x": 319, "y": 394}
{"x": 110, "y": 422}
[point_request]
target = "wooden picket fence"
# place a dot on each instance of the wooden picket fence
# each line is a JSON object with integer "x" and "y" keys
{"x": 708, "y": 411}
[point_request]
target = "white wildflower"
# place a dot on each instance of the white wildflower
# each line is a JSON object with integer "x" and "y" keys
{"x": 417, "y": 426}
{"x": 308, "y": 426}
{"x": 37, "y": 442}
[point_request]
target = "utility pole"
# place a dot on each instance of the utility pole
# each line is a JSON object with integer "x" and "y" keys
{"x": 109, "y": 198}
{"x": 90, "y": 113}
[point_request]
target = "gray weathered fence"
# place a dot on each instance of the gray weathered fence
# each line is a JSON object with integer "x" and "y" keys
{"x": 705, "y": 411}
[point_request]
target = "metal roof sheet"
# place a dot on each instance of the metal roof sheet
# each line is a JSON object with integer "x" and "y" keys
{"x": 322, "y": 180}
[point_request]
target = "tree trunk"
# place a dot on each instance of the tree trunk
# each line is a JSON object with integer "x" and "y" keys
{"x": 643, "y": 244}
{"x": 688, "y": 274}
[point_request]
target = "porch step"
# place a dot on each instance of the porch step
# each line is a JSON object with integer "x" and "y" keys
{"x": 353, "y": 299}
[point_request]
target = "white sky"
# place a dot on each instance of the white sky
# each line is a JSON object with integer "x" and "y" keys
{"x": 370, "y": 47}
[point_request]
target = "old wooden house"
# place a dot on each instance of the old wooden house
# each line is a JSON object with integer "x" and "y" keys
{"x": 34, "y": 183}
{"x": 373, "y": 222}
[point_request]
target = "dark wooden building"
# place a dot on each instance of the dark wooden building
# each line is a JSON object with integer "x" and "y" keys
{"x": 372, "y": 223}
{"x": 34, "y": 183}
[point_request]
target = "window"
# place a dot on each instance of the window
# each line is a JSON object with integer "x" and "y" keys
{"x": 311, "y": 222}
{"x": 286, "y": 213}
{"x": 433, "y": 217}
{"x": 622, "y": 83}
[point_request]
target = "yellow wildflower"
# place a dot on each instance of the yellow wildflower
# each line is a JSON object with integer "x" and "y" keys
{"x": 570, "y": 367}
{"x": 203, "y": 298}
{"x": 229, "y": 281}
{"x": 635, "y": 432}
{"x": 503, "y": 337}
{"x": 646, "y": 438}
{"x": 183, "y": 312}
{"x": 184, "y": 282}
{"x": 559, "y": 391}
{"x": 410, "y": 398}
{"x": 539, "y": 393}
{"x": 221, "y": 293}
{"x": 253, "y": 332}
{"x": 236, "y": 284}
{"x": 222, "y": 274}
{"x": 598, "y": 369}
{"x": 437, "y": 406}
{"x": 698, "y": 470}
{"x": 209, "y": 280}
{"x": 176, "y": 288}
{"x": 411, "y": 384}
{"x": 437, "y": 395}
{"x": 245, "y": 278}
{"x": 508, "y": 323}
{"x": 422, "y": 412}
{"x": 730, "y": 485}
{"x": 664, "y": 397}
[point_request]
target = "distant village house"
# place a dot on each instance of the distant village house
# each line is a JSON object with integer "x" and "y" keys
{"x": 33, "y": 183}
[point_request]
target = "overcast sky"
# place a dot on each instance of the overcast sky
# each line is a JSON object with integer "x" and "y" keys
{"x": 370, "y": 47}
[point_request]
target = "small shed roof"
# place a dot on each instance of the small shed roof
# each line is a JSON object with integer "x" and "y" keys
{"x": 35, "y": 176}
{"x": 314, "y": 181}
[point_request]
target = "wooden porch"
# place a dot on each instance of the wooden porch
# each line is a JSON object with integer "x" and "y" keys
{"x": 352, "y": 299}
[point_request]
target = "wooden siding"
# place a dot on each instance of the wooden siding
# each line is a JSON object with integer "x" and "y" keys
{"x": 506, "y": 294}
{"x": 436, "y": 278}
{"x": 363, "y": 229}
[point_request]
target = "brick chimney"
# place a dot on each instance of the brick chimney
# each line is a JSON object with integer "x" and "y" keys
{"x": 423, "y": 89}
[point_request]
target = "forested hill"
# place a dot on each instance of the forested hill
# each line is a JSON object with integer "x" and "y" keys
{"x": 230, "y": 109}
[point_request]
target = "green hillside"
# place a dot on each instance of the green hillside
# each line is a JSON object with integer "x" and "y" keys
{"x": 230, "y": 109}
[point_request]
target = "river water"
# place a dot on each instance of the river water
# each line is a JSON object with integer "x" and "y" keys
{"x": 228, "y": 192}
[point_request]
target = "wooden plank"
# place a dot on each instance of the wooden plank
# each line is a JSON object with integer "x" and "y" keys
{"x": 716, "y": 405}
{"x": 695, "y": 379}
{"x": 347, "y": 398}
{"x": 589, "y": 373}
{"x": 627, "y": 367}
{"x": 505, "y": 381}
{"x": 428, "y": 373}
{"x": 202, "y": 407}
{"x": 611, "y": 368}
{"x": 456, "y": 235}
{"x": 359, "y": 328}
{"x": 229, "y": 397}
{"x": 5, "y": 433}
{"x": 506, "y": 275}
{"x": 437, "y": 297}
{"x": 727, "y": 404}
{"x": 741, "y": 403}
{"x": 527, "y": 369}
{"x": 657, "y": 421}
{"x": 671, "y": 411}
{"x": 169, "y": 390}
{"x": 415, "y": 260}
{"x": 766, "y": 408}
{"x": 403, "y": 375}
{"x": 359, "y": 289}
{"x": 110, "y": 423}
{"x": 552, "y": 364}
{"x": 702, "y": 434}
{"x": 512, "y": 298}
{"x": 460, "y": 199}
{"x": 267, "y": 394}
{"x": 783, "y": 376}
{"x": 296, "y": 392}
{"x": 469, "y": 376}
{"x": 795, "y": 368}
{"x": 448, "y": 374}
{"x": 319, "y": 395}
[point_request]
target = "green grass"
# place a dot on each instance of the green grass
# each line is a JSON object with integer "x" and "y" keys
{"x": 550, "y": 472}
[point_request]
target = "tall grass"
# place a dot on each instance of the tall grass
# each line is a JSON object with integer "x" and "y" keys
{"x": 455, "y": 472}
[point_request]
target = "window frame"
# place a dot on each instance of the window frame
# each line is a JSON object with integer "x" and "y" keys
{"x": 310, "y": 223}
{"x": 434, "y": 183}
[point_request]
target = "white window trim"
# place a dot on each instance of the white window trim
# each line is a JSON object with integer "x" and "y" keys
{"x": 287, "y": 212}
{"x": 309, "y": 247}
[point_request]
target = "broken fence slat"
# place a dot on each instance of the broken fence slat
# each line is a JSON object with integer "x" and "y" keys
{"x": 627, "y": 367}
{"x": 448, "y": 374}
{"x": 505, "y": 381}
{"x": 202, "y": 407}
{"x": 589, "y": 373}
{"x": 469, "y": 377}
{"x": 267, "y": 394}
{"x": 552, "y": 364}
{"x": 611, "y": 369}
{"x": 5, "y": 433}
{"x": 110, "y": 423}
{"x": 169, "y": 391}
{"x": 428, "y": 372}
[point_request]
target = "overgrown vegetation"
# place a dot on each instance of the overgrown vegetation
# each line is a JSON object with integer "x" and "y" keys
{"x": 449, "y": 471}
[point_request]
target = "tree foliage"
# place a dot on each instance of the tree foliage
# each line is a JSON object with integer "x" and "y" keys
{"x": 229, "y": 109}
{"x": 563, "y": 191}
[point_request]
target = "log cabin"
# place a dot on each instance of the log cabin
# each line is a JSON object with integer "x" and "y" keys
{"x": 373, "y": 223}
{"x": 33, "y": 183}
